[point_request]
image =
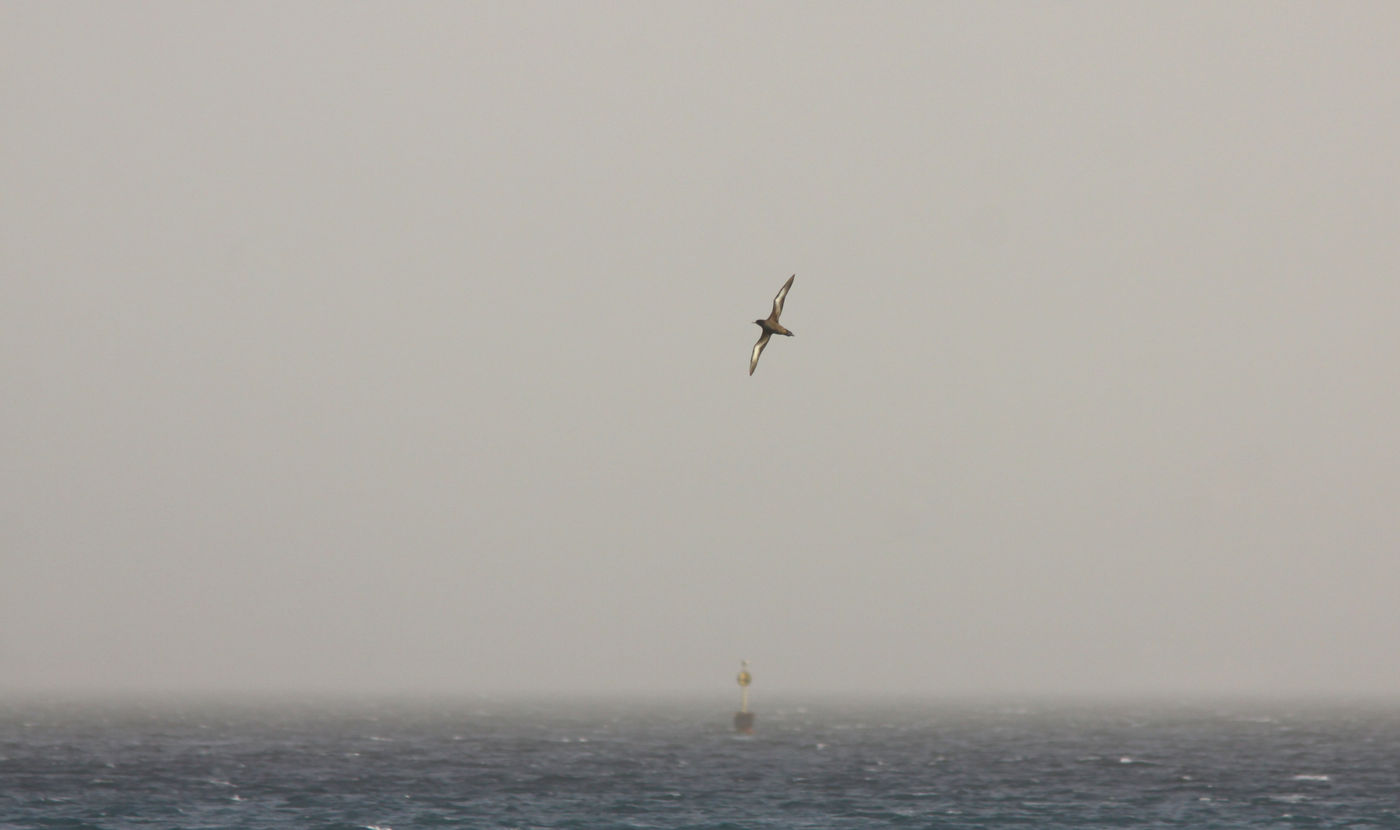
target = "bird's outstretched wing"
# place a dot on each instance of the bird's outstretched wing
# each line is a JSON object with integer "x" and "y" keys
{"x": 782, "y": 295}
{"x": 758, "y": 348}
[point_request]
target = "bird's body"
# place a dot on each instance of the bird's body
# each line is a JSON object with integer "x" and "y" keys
{"x": 771, "y": 326}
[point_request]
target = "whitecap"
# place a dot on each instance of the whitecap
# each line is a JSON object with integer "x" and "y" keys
{"x": 1264, "y": 719}
{"x": 1307, "y": 777}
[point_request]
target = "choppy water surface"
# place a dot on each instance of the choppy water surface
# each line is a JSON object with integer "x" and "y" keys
{"x": 484, "y": 763}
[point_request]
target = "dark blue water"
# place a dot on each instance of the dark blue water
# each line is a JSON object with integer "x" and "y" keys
{"x": 593, "y": 765}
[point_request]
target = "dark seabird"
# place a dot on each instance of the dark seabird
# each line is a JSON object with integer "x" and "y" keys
{"x": 771, "y": 326}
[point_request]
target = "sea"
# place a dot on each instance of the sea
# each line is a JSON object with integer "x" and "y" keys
{"x": 506, "y": 763}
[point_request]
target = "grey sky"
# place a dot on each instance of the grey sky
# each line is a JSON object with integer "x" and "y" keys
{"x": 386, "y": 347}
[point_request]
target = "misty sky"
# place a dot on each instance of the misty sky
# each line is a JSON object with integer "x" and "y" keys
{"x": 404, "y": 347}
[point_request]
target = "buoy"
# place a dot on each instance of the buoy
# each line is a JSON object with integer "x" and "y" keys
{"x": 743, "y": 719}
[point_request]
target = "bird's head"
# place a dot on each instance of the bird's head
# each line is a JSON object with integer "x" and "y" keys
{"x": 758, "y": 323}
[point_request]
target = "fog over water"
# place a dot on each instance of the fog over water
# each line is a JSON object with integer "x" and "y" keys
{"x": 403, "y": 349}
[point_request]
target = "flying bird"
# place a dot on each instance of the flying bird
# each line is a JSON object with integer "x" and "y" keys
{"x": 771, "y": 326}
